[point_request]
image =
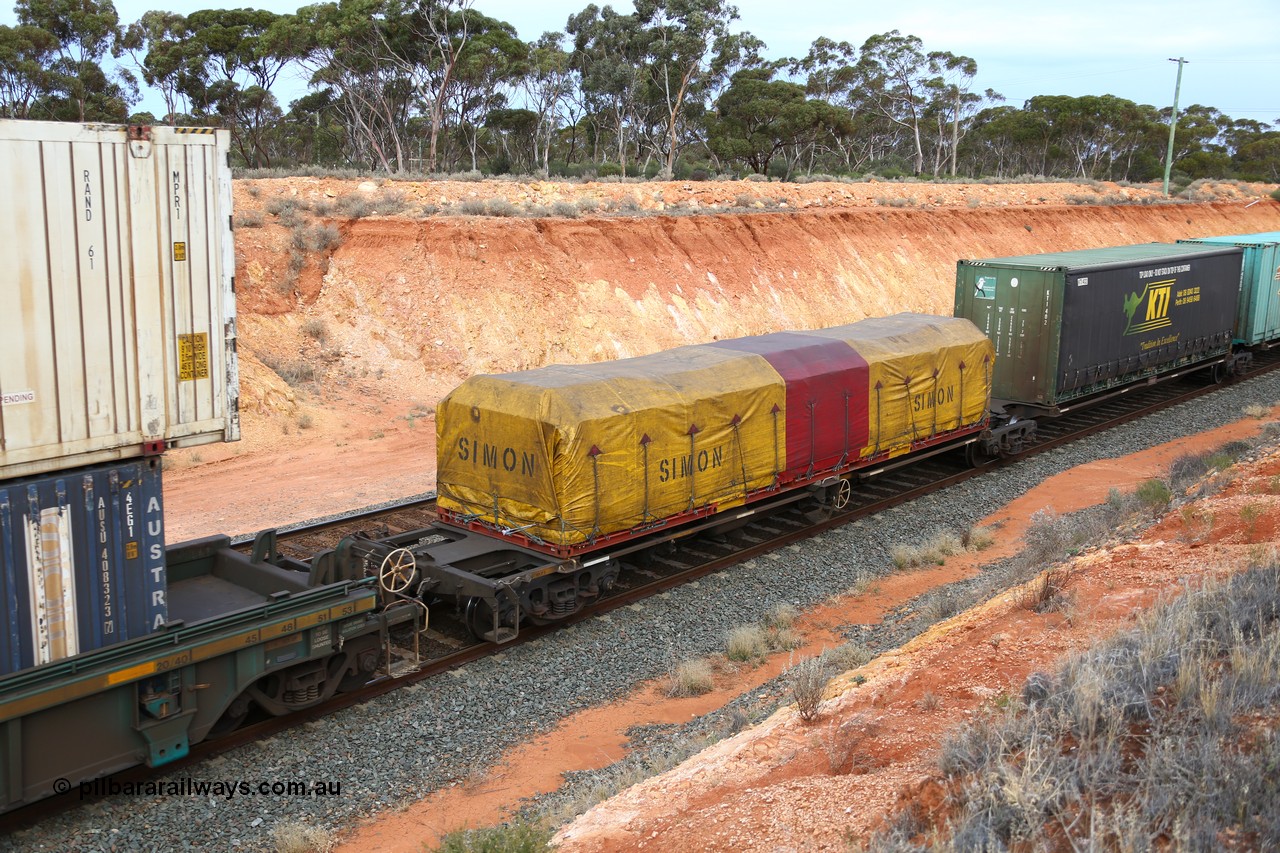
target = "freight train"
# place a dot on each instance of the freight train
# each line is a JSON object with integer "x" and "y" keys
{"x": 550, "y": 481}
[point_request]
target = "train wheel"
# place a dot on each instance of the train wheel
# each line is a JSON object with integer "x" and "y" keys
{"x": 479, "y": 619}
{"x": 976, "y": 457}
{"x": 232, "y": 718}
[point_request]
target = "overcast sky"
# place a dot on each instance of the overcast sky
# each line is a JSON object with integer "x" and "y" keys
{"x": 1082, "y": 47}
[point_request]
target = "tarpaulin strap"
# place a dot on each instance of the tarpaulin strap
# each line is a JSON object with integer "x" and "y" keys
{"x": 812, "y": 406}
{"x": 844, "y": 457}
{"x": 911, "y": 412}
{"x": 879, "y": 407}
{"x": 693, "y": 466}
{"x": 645, "y": 441}
{"x": 737, "y": 440}
{"x": 775, "y": 411}
{"x": 933, "y": 430}
{"x": 594, "y": 453}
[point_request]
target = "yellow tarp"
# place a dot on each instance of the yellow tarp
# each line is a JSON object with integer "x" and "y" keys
{"x": 567, "y": 452}
{"x": 916, "y": 386}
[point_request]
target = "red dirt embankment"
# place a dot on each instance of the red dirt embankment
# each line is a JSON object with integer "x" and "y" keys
{"x": 433, "y": 301}
{"x": 403, "y": 308}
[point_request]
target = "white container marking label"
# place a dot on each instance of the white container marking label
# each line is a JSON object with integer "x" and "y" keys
{"x": 17, "y": 398}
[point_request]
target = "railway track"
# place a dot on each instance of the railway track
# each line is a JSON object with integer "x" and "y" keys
{"x": 447, "y": 645}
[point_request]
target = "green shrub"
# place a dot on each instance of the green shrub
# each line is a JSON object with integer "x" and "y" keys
{"x": 507, "y": 838}
{"x": 390, "y": 202}
{"x": 283, "y": 207}
{"x": 1219, "y": 461}
{"x": 317, "y": 238}
{"x": 781, "y": 616}
{"x": 355, "y": 205}
{"x": 1187, "y": 469}
{"x": 808, "y": 685}
{"x": 977, "y": 538}
{"x": 1157, "y": 738}
{"x": 1154, "y": 494}
{"x": 567, "y": 209}
{"x": 843, "y": 658}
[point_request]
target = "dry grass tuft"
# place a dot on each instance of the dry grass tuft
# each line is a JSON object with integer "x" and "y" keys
{"x": 297, "y": 837}
{"x": 691, "y": 678}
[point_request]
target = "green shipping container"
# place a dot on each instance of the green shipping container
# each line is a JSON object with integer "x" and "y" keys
{"x": 1071, "y": 325}
{"x": 1258, "y": 314}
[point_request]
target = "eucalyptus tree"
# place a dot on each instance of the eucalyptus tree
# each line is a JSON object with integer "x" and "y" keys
{"x": 343, "y": 46}
{"x": 86, "y": 31}
{"x": 26, "y": 52}
{"x": 513, "y": 131}
{"x": 157, "y": 45}
{"x": 1199, "y": 148}
{"x": 493, "y": 62}
{"x": 425, "y": 40}
{"x": 834, "y": 72}
{"x": 1258, "y": 156}
{"x": 233, "y": 59}
{"x": 548, "y": 84}
{"x": 758, "y": 117}
{"x": 1005, "y": 141}
{"x": 914, "y": 89}
{"x": 895, "y": 69}
{"x": 953, "y": 103}
{"x": 1089, "y": 135}
{"x": 608, "y": 57}
{"x": 689, "y": 51}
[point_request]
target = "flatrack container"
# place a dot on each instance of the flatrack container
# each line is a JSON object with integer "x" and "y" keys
{"x": 116, "y": 293}
{"x": 1070, "y": 325}
{"x": 569, "y": 458}
{"x": 82, "y": 561}
{"x": 1258, "y": 314}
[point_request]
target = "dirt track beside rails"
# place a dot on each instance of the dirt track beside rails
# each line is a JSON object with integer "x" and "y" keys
{"x": 374, "y": 330}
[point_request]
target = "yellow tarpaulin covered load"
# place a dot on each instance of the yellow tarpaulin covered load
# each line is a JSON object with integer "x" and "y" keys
{"x": 566, "y": 454}
{"x": 928, "y": 375}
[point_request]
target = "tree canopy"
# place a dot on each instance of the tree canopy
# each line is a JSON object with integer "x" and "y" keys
{"x": 674, "y": 88}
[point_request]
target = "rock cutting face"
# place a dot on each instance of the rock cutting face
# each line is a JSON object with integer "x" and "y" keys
{"x": 349, "y": 348}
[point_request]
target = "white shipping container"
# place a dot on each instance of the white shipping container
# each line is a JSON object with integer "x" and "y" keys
{"x": 117, "y": 301}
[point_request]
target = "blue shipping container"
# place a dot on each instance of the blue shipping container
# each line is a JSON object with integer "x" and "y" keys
{"x": 82, "y": 562}
{"x": 1258, "y": 315}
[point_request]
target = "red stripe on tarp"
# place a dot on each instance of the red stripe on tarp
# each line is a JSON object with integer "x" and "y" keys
{"x": 825, "y": 379}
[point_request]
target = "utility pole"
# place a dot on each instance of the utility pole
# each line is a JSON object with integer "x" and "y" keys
{"x": 1173, "y": 123}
